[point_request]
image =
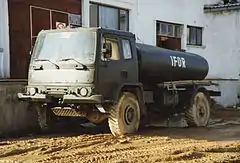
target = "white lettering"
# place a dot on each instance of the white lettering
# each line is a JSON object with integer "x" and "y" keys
{"x": 178, "y": 62}
{"x": 183, "y": 63}
{"x": 175, "y": 61}
{"x": 171, "y": 60}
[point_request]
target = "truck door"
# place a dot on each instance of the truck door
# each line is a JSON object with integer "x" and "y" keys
{"x": 129, "y": 70}
{"x": 110, "y": 75}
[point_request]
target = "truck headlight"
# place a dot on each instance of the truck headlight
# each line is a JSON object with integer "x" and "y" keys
{"x": 32, "y": 91}
{"x": 83, "y": 91}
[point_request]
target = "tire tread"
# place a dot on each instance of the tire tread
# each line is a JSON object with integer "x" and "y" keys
{"x": 189, "y": 112}
{"x": 113, "y": 114}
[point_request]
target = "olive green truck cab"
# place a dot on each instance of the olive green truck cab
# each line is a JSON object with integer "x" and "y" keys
{"x": 95, "y": 73}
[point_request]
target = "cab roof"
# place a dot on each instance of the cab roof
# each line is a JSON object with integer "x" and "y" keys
{"x": 100, "y": 29}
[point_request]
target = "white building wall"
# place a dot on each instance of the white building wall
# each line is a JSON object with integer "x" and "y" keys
{"x": 189, "y": 12}
{"x": 222, "y": 40}
{"x": 4, "y": 40}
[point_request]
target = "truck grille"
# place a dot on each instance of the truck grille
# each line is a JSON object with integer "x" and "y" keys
{"x": 58, "y": 111}
{"x": 57, "y": 90}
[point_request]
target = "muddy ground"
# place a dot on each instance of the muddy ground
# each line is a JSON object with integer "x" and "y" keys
{"x": 220, "y": 142}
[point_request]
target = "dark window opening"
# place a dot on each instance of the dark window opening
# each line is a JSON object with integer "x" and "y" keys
{"x": 169, "y": 35}
{"x": 109, "y": 17}
{"x": 194, "y": 35}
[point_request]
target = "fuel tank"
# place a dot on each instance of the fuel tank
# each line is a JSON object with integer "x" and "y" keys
{"x": 160, "y": 65}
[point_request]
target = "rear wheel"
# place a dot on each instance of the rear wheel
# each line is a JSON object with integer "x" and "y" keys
{"x": 124, "y": 118}
{"x": 198, "y": 113}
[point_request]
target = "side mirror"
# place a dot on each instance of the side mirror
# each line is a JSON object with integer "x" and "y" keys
{"x": 107, "y": 50}
{"x": 30, "y": 51}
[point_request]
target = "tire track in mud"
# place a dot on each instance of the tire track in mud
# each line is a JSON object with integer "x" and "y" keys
{"x": 126, "y": 149}
{"x": 106, "y": 148}
{"x": 88, "y": 147}
{"x": 91, "y": 156}
{"x": 72, "y": 147}
{"x": 18, "y": 151}
{"x": 217, "y": 144}
{"x": 75, "y": 147}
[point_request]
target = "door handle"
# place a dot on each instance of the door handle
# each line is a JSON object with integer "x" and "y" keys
{"x": 103, "y": 64}
{"x": 124, "y": 74}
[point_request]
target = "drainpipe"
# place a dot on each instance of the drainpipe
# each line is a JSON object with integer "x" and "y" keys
{"x": 1, "y": 63}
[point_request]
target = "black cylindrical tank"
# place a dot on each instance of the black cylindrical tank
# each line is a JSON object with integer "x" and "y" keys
{"x": 160, "y": 65}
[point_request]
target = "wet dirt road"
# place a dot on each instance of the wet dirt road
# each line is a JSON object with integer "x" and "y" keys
{"x": 220, "y": 142}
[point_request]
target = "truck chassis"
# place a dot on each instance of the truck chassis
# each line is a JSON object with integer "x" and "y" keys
{"x": 135, "y": 105}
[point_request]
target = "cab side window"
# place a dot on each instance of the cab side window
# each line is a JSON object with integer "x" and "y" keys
{"x": 127, "y": 52}
{"x": 115, "y": 49}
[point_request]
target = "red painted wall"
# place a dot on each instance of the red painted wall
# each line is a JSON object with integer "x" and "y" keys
{"x": 20, "y": 33}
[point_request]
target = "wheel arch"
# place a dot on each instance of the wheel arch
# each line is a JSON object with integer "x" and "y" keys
{"x": 136, "y": 89}
{"x": 203, "y": 90}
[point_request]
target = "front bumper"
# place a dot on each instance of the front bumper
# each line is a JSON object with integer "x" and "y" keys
{"x": 94, "y": 99}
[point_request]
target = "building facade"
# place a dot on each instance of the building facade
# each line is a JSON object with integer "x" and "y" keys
{"x": 212, "y": 34}
{"x": 194, "y": 26}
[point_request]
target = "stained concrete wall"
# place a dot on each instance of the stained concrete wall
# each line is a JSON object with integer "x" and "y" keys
{"x": 15, "y": 115}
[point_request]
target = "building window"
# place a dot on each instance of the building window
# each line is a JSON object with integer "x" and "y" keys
{"x": 109, "y": 17}
{"x": 169, "y": 35}
{"x": 169, "y": 29}
{"x": 124, "y": 20}
{"x": 194, "y": 35}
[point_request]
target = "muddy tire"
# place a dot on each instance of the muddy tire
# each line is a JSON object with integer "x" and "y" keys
{"x": 124, "y": 118}
{"x": 45, "y": 117}
{"x": 198, "y": 113}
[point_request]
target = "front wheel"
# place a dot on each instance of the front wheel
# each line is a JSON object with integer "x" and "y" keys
{"x": 198, "y": 113}
{"x": 45, "y": 117}
{"x": 124, "y": 118}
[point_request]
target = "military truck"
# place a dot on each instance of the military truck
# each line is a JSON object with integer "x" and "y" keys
{"x": 104, "y": 75}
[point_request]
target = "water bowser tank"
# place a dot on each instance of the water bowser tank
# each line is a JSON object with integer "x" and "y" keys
{"x": 160, "y": 65}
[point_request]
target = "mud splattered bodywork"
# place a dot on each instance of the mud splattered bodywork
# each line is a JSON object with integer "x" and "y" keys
{"x": 103, "y": 74}
{"x": 62, "y": 66}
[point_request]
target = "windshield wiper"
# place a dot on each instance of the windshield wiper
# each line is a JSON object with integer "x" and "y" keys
{"x": 48, "y": 61}
{"x": 72, "y": 59}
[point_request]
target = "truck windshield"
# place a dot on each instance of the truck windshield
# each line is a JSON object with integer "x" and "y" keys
{"x": 56, "y": 46}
